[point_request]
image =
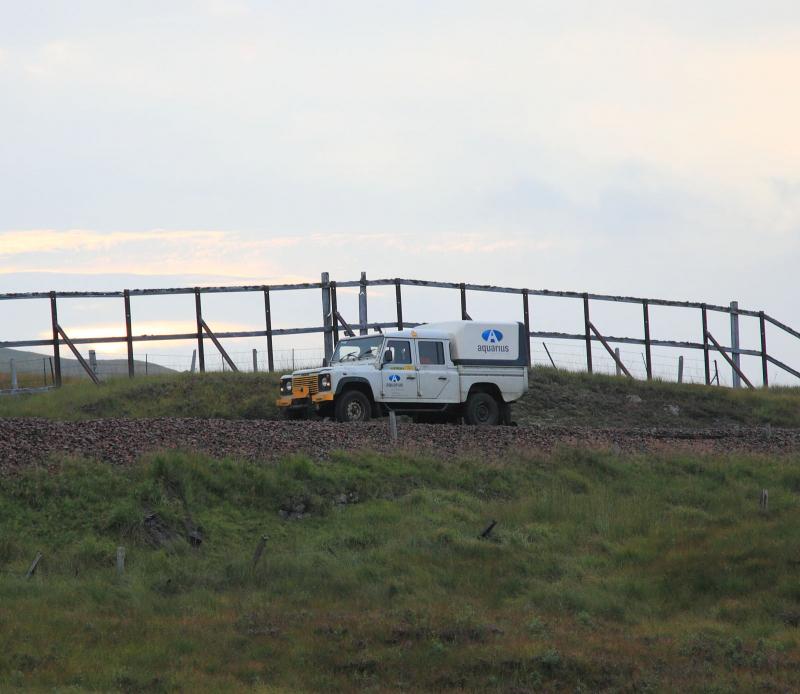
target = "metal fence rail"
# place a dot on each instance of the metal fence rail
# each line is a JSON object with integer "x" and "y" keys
{"x": 333, "y": 322}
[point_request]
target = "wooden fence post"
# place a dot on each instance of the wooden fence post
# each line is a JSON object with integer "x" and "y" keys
{"x": 268, "y": 317}
{"x": 327, "y": 317}
{"x": 527, "y": 321}
{"x": 587, "y": 329}
{"x": 56, "y": 350}
{"x": 362, "y": 305}
{"x": 680, "y": 369}
{"x": 764, "y": 359}
{"x": 128, "y": 333}
{"x": 120, "y": 560}
{"x": 648, "y": 355}
{"x": 707, "y": 363}
{"x": 398, "y": 298}
{"x": 464, "y": 314}
{"x": 255, "y": 360}
{"x": 736, "y": 381}
{"x": 198, "y": 309}
{"x": 334, "y": 312}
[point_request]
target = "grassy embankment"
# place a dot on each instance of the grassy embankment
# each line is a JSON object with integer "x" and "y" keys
{"x": 555, "y": 397}
{"x": 222, "y": 395}
{"x": 603, "y": 572}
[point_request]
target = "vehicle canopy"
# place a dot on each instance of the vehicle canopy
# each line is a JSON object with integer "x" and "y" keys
{"x": 476, "y": 343}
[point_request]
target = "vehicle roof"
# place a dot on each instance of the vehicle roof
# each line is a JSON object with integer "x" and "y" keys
{"x": 438, "y": 331}
{"x": 422, "y": 332}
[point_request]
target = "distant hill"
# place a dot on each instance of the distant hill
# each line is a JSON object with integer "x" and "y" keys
{"x": 34, "y": 363}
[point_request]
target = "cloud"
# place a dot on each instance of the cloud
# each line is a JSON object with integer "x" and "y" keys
{"x": 19, "y": 242}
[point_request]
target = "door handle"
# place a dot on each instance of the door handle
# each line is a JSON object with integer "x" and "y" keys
{"x": 411, "y": 378}
{"x": 443, "y": 378}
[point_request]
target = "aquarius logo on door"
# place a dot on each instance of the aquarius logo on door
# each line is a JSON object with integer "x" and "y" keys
{"x": 394, "y": 379}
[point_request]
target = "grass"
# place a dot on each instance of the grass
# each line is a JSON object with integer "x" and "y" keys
{"x": 563, "y": 397}
{"x": 217, "y": 395}
{"x": 555, "y": 397}
{"x": 604, "y": 572}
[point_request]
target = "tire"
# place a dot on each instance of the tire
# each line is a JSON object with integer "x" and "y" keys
{"x": 353, "y": 406}
{"x": 296, "y": 414}
{"x": 482, "y": 410}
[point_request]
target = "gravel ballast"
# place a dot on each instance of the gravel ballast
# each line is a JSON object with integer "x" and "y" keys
{"x": 123, "y": 441}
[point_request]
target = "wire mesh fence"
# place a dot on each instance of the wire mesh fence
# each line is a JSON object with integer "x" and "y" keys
{"x": 38, "y": 372}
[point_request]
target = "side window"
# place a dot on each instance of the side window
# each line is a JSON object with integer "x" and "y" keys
{"x": 401, "y": 351}
{"x": 430, "y": 352}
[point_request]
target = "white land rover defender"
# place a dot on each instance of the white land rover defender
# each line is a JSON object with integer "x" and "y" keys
{"x": 435, "y": 372}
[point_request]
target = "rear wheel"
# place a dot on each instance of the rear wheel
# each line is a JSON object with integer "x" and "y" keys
{"x": 353, "y": 406}
{"x": 482, "y": 410}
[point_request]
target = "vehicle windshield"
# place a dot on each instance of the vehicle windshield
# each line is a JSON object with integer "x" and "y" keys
{"x": 357, "y": 349}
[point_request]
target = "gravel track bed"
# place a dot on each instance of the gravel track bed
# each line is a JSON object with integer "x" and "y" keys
{"x": 123, "y": 441}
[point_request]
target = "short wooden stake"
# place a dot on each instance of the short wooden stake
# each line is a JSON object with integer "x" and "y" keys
{"x": 255, "y": 360}
{"x": 262, "y": 543}
{"x": 488, "y": 530}
{"x": 763, "y": 502}
{"x": 32, "y": 569}
{"x": 120, "y": 560}
{"x": 618, "y": 361}
{"x": 680, "y": 369}
{"x": 393, "y": 426}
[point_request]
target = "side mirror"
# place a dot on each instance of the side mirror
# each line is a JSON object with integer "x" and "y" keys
{"x": 387, "y": 356}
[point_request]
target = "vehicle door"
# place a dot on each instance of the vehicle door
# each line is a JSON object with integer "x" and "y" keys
{"x": 399, "y": 376}
{"x": 438, "y": 378}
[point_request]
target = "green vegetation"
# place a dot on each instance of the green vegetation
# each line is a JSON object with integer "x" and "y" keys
{"x": 604, "y": 572}
{"x": 563, "y": 397}
{"x": 217, "y": 395}
{"x": 555, "y": 397}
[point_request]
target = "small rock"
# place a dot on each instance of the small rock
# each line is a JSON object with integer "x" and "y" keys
{"x": 634, "y": 399}
{"x": 674, "y": 410}
{"x": 342, "y": 499}
{"x": 283, "y": 513}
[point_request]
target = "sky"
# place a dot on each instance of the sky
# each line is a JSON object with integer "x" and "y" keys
{"x": 645, "y": 149}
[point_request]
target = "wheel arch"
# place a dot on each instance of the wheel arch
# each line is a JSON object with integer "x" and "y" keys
{"x": 362, "y": 385}
{"x": 489, "y": 388}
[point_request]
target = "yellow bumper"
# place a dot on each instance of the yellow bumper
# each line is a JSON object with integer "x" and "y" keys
{"x": 316, "y": 399}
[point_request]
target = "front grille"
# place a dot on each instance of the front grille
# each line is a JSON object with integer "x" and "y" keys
{"x": 309, "y": 382}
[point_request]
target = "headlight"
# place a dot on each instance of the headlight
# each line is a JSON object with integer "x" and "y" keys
{"x": 286, "y": 386}
{"x": 325, "y": 382}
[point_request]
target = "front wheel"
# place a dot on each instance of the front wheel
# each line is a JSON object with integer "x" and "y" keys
{"x": 353, "y": 406}
{"x": 482, "y": 410}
